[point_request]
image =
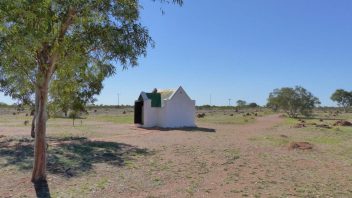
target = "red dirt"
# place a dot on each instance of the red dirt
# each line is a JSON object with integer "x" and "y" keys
{"x": 196, "y": 163}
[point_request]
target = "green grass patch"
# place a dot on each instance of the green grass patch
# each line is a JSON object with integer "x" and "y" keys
{"x": 336, "y": 135}
{"x": 117, "y": 119}
{"x": 330, "y": 139}
{"x": 290, "y": 121}
{"x": 102, "y": 183}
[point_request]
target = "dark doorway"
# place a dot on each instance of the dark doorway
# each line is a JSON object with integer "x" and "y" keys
{"x": 138, "y": 111}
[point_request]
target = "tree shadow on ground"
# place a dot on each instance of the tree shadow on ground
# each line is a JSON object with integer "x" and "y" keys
{"x": 187, "y": 129}
{"x": 69, "y": 156}
{"x": 42, "y": 189}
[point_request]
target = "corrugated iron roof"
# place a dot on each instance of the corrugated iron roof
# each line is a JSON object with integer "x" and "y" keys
{"x": 158, "y": 96}
{"x": 166, "y": 93}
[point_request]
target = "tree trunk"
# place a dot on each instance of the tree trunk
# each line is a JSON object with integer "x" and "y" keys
{"x": 36, "y": 107}
{"x": 33, "y": 127}
{"x": 346, "y": 109}
{"x": 39, "y": 167}
{"x": 46, "y": 68}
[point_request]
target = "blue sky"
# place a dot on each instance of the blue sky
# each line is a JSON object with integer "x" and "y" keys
{"x": 241, "y": 49}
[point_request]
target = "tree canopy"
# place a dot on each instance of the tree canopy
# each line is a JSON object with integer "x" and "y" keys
{"x": 293, "y": 101}
{"x": 52, "y": 49}
{"x": 241, "y": 103}
{"x": 82, "y": 37}
{"x": 73, "y": 37}
{"x": 343, "y": 98}
{"x": 253, "y": 105}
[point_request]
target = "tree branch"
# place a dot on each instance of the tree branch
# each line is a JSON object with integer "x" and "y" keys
{"x": 64, "y": 26}
{"x": 63, "y": 30}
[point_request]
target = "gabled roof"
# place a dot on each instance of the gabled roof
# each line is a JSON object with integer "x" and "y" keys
{"x": 157, "y": 98}
{"x": 166, "y": 93}
{"x": 180, "y": 89}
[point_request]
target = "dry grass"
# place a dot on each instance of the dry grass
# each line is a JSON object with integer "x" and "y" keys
{"x": 107, "y": 156}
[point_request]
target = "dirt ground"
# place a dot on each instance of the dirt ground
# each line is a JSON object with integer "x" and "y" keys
{"x": 102, "y": 158}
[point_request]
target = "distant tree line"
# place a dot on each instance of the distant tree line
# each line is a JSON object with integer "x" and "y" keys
{"x": 93, "y": 106}
{"x": 214, "y": 107}
{"x": 244, "y": 104}
{"x": 3, "y": 104}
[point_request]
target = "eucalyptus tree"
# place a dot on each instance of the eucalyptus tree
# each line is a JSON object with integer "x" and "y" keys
{"x": 343, "y": 98}
{"x": 241, "y": 103}
{"x": 46, "y": 41}
{"x": 293, "y": 101}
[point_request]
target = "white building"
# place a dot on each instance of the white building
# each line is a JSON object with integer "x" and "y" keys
{"x": 165, "y": 108}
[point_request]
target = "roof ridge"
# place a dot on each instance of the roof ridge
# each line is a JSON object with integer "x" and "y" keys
{"x": 167, "y": 89}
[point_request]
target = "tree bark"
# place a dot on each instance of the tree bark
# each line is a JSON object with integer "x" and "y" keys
{"x": 33, "y": 127}
{"x": 46, "y": 60}
{"x": 36, "y": 107}
{"x": 39, "y": 167}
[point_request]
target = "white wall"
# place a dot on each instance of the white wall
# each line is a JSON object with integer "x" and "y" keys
{"x": 150, "y": 115}
{"x": 177, "y": 112}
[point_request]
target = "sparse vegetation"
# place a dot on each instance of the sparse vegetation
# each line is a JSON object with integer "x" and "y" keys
{"x": 261, "y": 154}
{"x": 56, "y": 56}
